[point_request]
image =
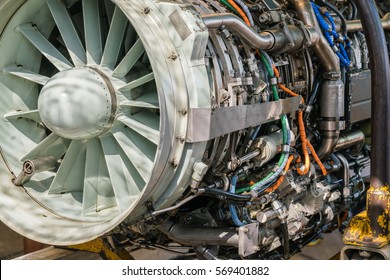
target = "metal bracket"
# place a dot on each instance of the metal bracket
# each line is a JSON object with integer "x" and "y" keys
{"x": 248, "y": 239}
{"x": 206, "y": 123}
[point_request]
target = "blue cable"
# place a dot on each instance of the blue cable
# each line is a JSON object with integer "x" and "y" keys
{"x": 232, "y": 208}
{"x": 329, "y": 32}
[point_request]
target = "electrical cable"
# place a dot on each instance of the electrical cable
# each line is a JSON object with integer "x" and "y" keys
{"x": 232, "y": 208}
{"x": 226, "y": 196}
{"x": 230, "y": 7}
{"x": 281, "y": 178}
{"x": 329, "y": 31}
{"x": 340, "y": 15}
{"x": 246, "y": 10}
{"x": 240, "y": 11}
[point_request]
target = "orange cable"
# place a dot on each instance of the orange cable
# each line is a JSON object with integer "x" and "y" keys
{"x": 302, "y": 132}
{"x": 305, "y": 142}
{"x": 281, "y": 178}
{"x": 316, "y": 158}
{"x": 240, "y": 11}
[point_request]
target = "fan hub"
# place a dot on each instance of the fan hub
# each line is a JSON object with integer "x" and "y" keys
{"x": 78, "y": 103}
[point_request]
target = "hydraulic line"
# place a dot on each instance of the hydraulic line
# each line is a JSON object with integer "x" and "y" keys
{"x": 232, "y": 208}
{"x": 226, "y": 196}
{"x": 281, "y": 178}
{"x": 340, "y": 15}
{"x": 305, "y": 143}
{"x": 273, "y": 175}
{"x": 354, "y": 10}
{"x": 329, "y": 32}
{"x": 262, "y": 185}
{"x": 302, "y": 130}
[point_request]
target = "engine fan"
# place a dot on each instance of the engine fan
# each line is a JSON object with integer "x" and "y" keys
{"x": 94, "y": 104}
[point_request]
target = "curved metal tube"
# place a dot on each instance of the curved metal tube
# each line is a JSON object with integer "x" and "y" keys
{"x": 264, "y": 40}
{"x": 324, "y": 52}
{"x": 349, "y": 139}
{"x": 199, "y": 236}
{"x": 272, "y": 40}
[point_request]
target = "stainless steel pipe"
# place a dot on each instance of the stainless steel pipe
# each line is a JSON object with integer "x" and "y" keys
{"x": 356, "y": 25}
{"x": 272, "y": 40}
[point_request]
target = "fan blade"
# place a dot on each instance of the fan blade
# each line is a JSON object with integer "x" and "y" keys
{"x": 125, "y": 183}
{"x": 25, "y": 74}
{"x": 115, "y": 38}
{"x": 70, "y": 175}
{"x": 98, "y": 192}
{"x": 135, "y": 150}
{"x": 144, "y": 123}
{"x": 44, "y": 46}
{"x": 93, "y": 31}
{"x": 138, "y": 82}
{"x": 31, "y": 115}
{"x": 53, "y": 145}
{"x": 132, "y": 56}
{"x": 68, "y": 31}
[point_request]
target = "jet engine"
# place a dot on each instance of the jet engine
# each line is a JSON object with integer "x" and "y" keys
{"x": 236, "y": 129}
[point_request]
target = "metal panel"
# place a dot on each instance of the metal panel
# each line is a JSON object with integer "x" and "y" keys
{"x": 205, "y": 124}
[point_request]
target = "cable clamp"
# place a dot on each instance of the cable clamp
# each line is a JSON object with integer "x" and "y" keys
{"x": 275, "y": 168}
{"x": 286, "y": 149}
{"x": 273, "y": 81}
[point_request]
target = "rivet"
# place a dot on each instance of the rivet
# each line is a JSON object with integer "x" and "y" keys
{"x": 184, "y": 111}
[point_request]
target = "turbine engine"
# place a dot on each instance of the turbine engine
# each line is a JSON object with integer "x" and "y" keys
{"x": 233, "y": 128}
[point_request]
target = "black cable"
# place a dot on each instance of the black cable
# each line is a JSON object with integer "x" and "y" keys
{"x": 354, "y": 10}
{"x": 313, "y": 94}
{"x": 380, "y": 67}
{"x": 286, "y": 242}
{"x": 227, "y": 196}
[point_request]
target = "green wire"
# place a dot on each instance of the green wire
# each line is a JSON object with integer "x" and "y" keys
{"x": 275, "y": 94}
{"x": 230, "y": 7}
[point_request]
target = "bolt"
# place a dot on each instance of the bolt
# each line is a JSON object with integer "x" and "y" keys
{"x": 147, "y": 10}
{"x": 174, "y": 56}
{"x": 174, "y": 163}
{"x": 182, "y": 139}
{"x": 184, "y": 111}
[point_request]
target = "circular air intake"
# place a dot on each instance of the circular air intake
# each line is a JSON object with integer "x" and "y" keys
{"x": 92, "y": 95}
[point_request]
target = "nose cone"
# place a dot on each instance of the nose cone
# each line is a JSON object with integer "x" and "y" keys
{"x": 77, "y": 104}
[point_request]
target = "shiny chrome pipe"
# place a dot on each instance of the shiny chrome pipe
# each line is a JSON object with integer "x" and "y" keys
{"x": 356, "y": 25}
{"x": 271, "y": 40}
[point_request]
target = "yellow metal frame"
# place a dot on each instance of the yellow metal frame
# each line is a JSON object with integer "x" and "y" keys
{"x": 100, "y": 247}
{"x": 372, "y": 227}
